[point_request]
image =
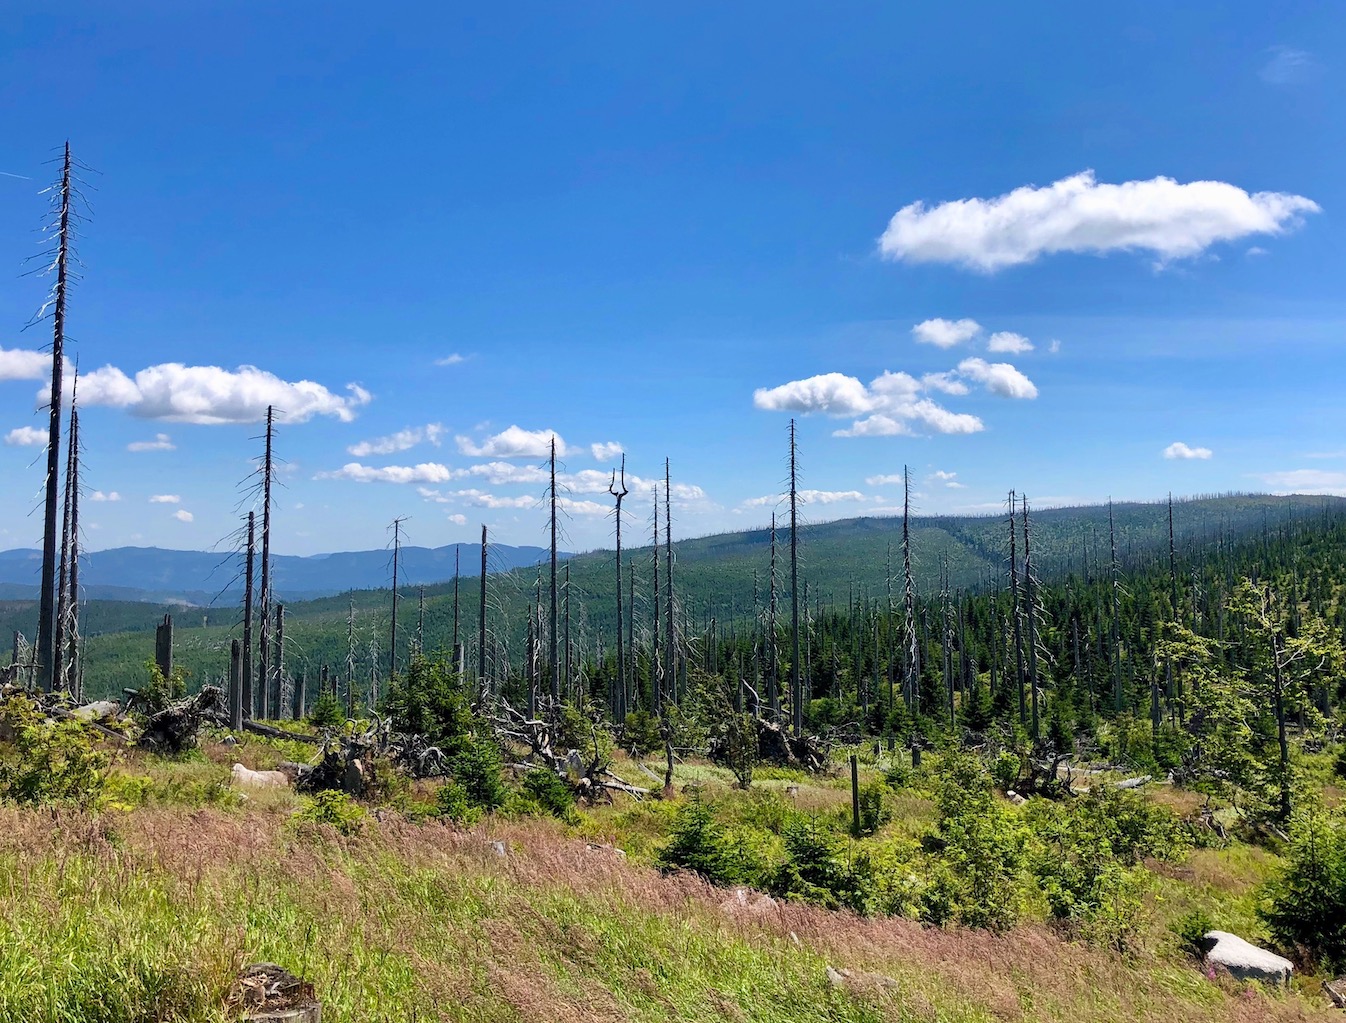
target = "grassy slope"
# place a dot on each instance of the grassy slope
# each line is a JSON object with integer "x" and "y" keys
{"x": 146, "y": 914}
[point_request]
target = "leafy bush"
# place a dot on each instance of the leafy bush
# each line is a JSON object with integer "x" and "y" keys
{"x": 159, "y": 692}
{"x": 432, "y": 700}
{"x": 1305, "y": 908}
{"x": 334, "y": 808}
{"x": 817, "y": 869}
{"x": 451, "y": 803}
{"x": 1190, "y": 928}
{"x": 898, "y": 775}
{"x": 45, "y": 761}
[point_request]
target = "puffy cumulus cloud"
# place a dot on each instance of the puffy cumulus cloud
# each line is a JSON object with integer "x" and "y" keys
{"x": 1305, "y": 481}
{"x": 588, "y": 508}
{"x": 425, "y": 472}
{"x": 24, "y": 364}
{"x": 514, "y": 442}
{"x": 998, "y": 378}
{"x": 1008, "y": 343}
{"x": 399, "y": 441}
{"x": 884, "y": 481}
{"x": 605, "y": 450}
{"x": 458, "y": 519}
{"x": 165, "y": 499}
{"x": 210, "y": 395}
{"x": 1180, "y": 450}
{"x": 948, "y": 479}
{"x": 99, "y": 495}
{"x": 161, "y": 442}
{"x": 945, "y": 333}
{"x": 834, "y": 394}
{"x": 183, "y": 515}
{"x": 807, "y": 497}
{"x": 26, "y": 437}
{"x": 946, "y": 382}
{"x": 1077, "y": 214}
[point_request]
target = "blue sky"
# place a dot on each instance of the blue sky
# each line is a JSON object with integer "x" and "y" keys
{"x": 442, "y": 235}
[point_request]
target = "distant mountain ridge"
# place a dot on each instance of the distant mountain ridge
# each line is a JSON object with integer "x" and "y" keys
{"x": 157, "y": 575}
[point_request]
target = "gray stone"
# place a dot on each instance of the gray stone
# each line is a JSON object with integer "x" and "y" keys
{"x": 1245, "y": 960}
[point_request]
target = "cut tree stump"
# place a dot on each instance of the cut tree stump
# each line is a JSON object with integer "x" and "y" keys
{"x": 268, "y": 993}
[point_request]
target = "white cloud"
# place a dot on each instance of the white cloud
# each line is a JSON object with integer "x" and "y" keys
{"x": 596, "y": 481}
{"x": 1306, "y": 481}
{"x": 1287, "y": 65}
{"x": 1009, "y": 343}
{"x": 605, "y": 450}
{"x": 165, "y": 499}
{"x": 999, "y": 378}
{"x": 833, "y": 394}
{"x": 1077, "y": 214}
{"x": 26, "y": 437}
{"x": 458, "y": 519}
{"x": 945, "y": 333}
{"x": 161, "y": 442}
{"x": 514, "y": 442}
{"x": 210, "y": 395}
{"x": 498, "y": 473}
{"x": 487, "y": 500}
{"x": 1054, "y": 347}
{"x": 883, "y": 481}
{"x": 946, "y": 382}
{"x": 1180, "y": 450}
{"x": 425, "y": 472}
{"x": 591, "y": 508}
{"x": 183, "y": 515}
{"x": 22, "y": 364}
{"x": 399, "y": 441}
{"x": 451, "y": 360}
{"x": 111, "y": 495}
{"x": 876, "y": 426}
{"x": 807, "y": 497}
{"x": 1257, "y": 250}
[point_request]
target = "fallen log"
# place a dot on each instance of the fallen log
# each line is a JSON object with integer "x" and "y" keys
{"x": 279, "y": 733}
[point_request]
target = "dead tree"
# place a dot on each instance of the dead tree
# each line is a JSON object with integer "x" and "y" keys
{"x": 1016, "y": 613}
{"x": 278, "y": 659}
{"x": 656, "y": 666}
{"x": 270, "y": 688}
{"x": 63, "y": 572}
{"x": 796, "y": 684}
{"x": 73, "y": 661}
{"x": 48, "y": 657}
{"x": 249, "y": 708}
{"x": 420, "y": 620}
{"x": 675, "y": 665}
{"x": 911, "y": 646}
{"x": 553, "y": 648}
{"x": 1030, "y": 585}
{"x": 1116, "y": 617}
{"x": 350, "y": 658}
{"x": 397, "y": 552}
{"x": 772, "y": 628}
{"x": 620, "y": 690}
{"x": 481, "y": 625}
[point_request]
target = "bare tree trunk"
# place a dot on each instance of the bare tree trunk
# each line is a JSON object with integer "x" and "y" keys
{"x": 278, "y": 660}
{"x": 656, "y": 666}
{"x": 1017, "y": 614}
{"x": 392, "y": 632}
{"x": 481, "y": 624}
{"x": 1031, "y": 593}
{"x": 74, "y": 662}
{"x": 1116, "y": 615}
{"x": 351, "y": 658}
{"x": 796, "y": 685}
{"x": 63, "y": 570}
{"x": 48, "y": 657}
{"x": 236, "y": 695}
{"x": 620, "y": 688}
{"x": 633, "y": 694}
{"x": 569, "y": 678}
{"x": 249, "y": 698}
{"x": 553, "y": 648}
{"x": 911, "y": 680}
{"x": 675, "y": 660}
{"x": 773, "y": 635}
{"x": 270, "y": 687}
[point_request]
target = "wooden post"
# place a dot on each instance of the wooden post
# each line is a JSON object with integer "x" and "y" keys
{"x": 855, "y": 795}
{"x": 235, "y": 686}
{"x": 300, "y": 696}
{"x": 163, "y": 646}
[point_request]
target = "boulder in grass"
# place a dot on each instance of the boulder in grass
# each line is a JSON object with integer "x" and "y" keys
{"x": 245, "y": 778}
{"x": 1245, "y": 960}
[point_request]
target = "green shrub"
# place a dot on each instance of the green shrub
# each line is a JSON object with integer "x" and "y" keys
{"x": 817, "y": 869}
{"x": 874, "y": 812}
{"x": 326, "y": 712}
{"x": 898, "y": 775}
{"x": 1305, "y": 904}
{"x": 699, "y": 842}
{"x": 1190, "y": 928}
{"x": 159, "y": 692}
{"x": 47, "y": 762}
{"x": 551, "y": 794}
{"x": 334, "y": 808}
{"x": 451, "y": 803}
{"x": 640, "y": 733}
{"x": 1339, "y": 764}
{"x": 478, "y": 769}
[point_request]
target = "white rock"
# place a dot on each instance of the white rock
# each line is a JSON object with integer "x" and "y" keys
{"x": 1245, "y": 960}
